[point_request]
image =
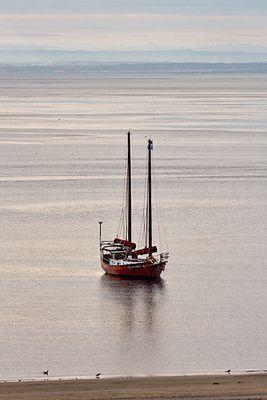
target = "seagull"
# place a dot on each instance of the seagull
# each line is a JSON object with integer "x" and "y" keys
{"x": 98, "y": 375}
{"x": 228, "y": 371}
{"x": 45, "y": 372}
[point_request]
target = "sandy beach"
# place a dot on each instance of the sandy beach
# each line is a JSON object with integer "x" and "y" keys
{"x": 250, "y": 386}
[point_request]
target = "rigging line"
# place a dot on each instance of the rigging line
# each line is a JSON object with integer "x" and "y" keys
{"x": 157, "y": 206}
{"x": 125, "y": 203}
{"x": 122, "y": 221}
{"x": 142, "y": 230}
{"x": 163, "y": 226}
{"x": 161, "y": 213}
{"x": 158, "y": 219}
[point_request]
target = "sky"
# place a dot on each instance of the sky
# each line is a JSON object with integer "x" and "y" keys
{"x": 127, "y": 25}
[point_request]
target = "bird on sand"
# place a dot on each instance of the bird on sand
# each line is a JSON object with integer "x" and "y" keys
{"x": 228, "y": 371}
{"x": 98, "y": 375}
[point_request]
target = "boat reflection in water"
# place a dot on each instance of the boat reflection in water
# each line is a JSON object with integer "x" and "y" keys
{"x": 136, "y": 303}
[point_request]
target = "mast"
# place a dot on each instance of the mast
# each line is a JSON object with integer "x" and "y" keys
{"x": 100, "y": 232}
{"x": 129, "y": 189}
{"x": 149, "y": 184}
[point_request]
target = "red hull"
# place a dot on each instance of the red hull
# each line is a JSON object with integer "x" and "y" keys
{"x": 147, "y": 270}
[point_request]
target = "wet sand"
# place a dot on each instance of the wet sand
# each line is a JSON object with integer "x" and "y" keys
{"x": 249, "y": 386}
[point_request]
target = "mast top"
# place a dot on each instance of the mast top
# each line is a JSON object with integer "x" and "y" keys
{"x": 150, "y": 144}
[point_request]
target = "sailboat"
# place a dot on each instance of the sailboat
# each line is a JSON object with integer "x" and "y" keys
{"x": 120, "y": 256}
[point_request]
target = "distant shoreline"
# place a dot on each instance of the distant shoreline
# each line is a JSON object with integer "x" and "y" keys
{"x": 245, "y": 386}
{"x": 133, "y": 68}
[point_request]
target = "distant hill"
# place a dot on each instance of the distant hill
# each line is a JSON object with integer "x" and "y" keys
{"x": 131, "y": 67}
{"x": 145, "y": 56}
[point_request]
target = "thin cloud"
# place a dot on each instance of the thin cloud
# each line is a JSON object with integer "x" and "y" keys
{"x": 102, "y": 31}
{"x": 146, "y": 24}
{"x": 189, "y": 7}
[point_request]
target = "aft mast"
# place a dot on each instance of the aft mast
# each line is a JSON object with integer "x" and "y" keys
{"x": 149, "y": 184}
{"x": 129, "y": 189}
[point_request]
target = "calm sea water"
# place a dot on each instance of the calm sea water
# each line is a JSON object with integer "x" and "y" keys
{"x": 62, "y": 158}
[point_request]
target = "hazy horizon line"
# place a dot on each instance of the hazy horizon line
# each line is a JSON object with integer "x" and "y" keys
{"x": 113, "y": 67}
{"x": 46, "y": 55}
